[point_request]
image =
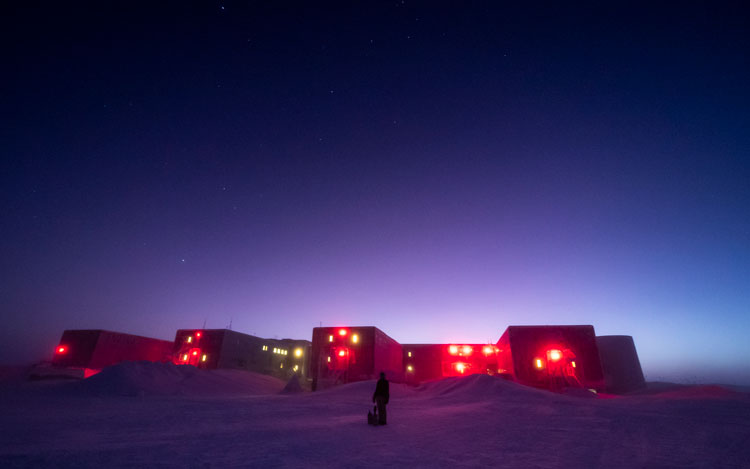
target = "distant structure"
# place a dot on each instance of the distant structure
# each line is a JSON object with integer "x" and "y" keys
{"x": 551, "y": 357}
{"x": 228, "y": 349}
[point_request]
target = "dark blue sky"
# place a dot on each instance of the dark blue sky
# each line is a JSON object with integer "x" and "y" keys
{"x": 440, "y": 172}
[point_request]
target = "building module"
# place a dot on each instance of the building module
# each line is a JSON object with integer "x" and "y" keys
{"x": 85, "y": 352}
{"x": 228, "y": 349}
{"x": 551, "y": 357}
{"x": 345, "y": 354}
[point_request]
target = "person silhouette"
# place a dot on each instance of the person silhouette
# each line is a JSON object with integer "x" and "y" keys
{"x": 381, "y": 397}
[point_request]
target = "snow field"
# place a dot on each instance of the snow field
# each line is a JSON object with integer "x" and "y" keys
{"x": 147, "y": 415}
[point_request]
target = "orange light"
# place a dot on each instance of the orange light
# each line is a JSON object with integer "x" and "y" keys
{"x": 409, "y": 368}
{"x": 184, "y": 357}
{"x": 203, "y": 358}
{"x": 467, "y": 350}
{"x": 538, "y": 363}
{"x": 453, "y": 349}
{"x": 189, "y": 339}
{"x": 330, "y": 338}
{"x": 342, "y": 353}
{"x": 460, "y": 367}
{"x": 554, "y": 355}
{"x": 342, "y": 331}
{"x": 62, "y": 349}
{"x": 355, "y": 338}
{"x": 329, "y": 359}
{"x": 573, "y": 364}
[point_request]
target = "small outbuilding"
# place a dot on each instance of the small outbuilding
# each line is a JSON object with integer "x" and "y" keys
{"x": 620, "y": 363}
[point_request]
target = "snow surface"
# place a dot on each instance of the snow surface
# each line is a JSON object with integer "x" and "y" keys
{"x": 152, "y": 415}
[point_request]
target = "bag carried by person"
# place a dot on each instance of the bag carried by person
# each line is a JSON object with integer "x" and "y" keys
{"x": 372, "y": 417}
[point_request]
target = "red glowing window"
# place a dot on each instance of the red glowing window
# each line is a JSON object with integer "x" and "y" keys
{"x": 342, "y": 331}
{"x": 453, "y": 349}
{"x": 198, "y": 334}
{"x": 195, "y": 352}
{"x": 460, "y": 367}
{"x": 487, "y": 350}
{"x": 62, "y": 349}
{"x": 554, "y": 355}
{"x": 467, "y": 350}
{"x": 342, "y": 353}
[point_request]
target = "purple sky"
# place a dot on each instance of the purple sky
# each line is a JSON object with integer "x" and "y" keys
{"x": 438, "y": 172}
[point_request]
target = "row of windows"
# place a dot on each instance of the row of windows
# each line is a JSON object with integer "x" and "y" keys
{"x": 280, "y": 351}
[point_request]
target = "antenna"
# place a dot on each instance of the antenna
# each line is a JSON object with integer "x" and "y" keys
{"x": 230, "y": 323}
{"x": 204, "y": 322}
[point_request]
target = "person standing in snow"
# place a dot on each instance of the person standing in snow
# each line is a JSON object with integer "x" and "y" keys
{"x": 381, "y": 397}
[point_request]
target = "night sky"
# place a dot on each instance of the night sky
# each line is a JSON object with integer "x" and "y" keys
{"x": 440, "y": 172}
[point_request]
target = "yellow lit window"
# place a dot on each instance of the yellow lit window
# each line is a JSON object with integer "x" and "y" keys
{"x": 203, "y": 358}
{"x": 408, "y": 354}
{"x": 189, "y": 339}
{"x": 409, "y": 368}
{"x": 355, "y": 338}
{"x": 296, "y": 367}
{"x": 330, "y": 338}
{"x": 298, "y": 352}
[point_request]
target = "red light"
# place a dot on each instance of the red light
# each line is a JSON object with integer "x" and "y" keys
{"x": 342, "y": 353}
{"x": 467, "y": 350}
{"x": 195, "y": 352}
{"x": 460, "y": 367}
{"x": 198, "y": 334}
{"x": 453, "y": 349}
{"x": 342, "y": 331}
{"x": 554, "y": 355}
{"x": 62, "y": 349}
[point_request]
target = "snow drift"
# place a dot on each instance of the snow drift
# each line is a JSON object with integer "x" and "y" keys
{"x": 166, "y": 379}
